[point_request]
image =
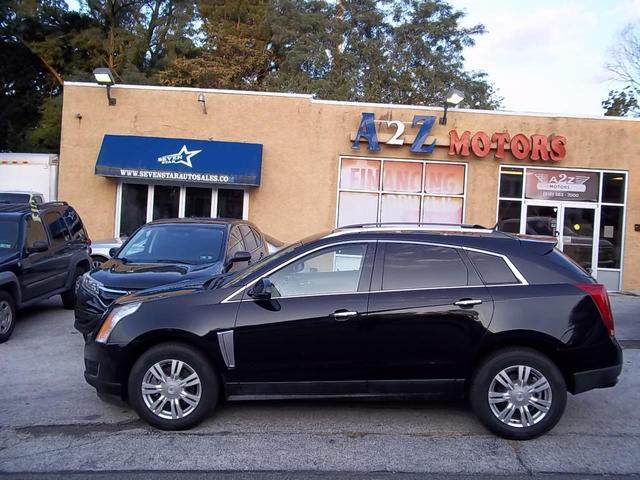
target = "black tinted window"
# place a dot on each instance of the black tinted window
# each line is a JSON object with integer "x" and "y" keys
{"x": 409, "y": 266}
{"x": 493, "y": 270}
{"x": 57, "y": 228}
{"x": 72, "y": 219}
{"x": 235, "y": 242}
{"x": 249, "y": 240}
{"x": 8, "y": 235}
{"x": 35, "y": 232}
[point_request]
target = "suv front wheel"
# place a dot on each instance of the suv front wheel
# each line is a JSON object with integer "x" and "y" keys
{"x": 173, "y": 386}
{"x": 518, "y": 393}
{"x": 7, "y": 316}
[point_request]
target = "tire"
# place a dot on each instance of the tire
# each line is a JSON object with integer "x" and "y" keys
{"x": 513, "y": 404}
{"x": 69, "y": 297}
{"x": 97, "y": 260}
{"x": 7, "y": 316}
{"x": 165, "y": 395}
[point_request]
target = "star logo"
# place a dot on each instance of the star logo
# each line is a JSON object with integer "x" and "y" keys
{"x": 184, "y": 157}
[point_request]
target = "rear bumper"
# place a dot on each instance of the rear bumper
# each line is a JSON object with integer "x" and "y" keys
{"x": 599, "y": 378}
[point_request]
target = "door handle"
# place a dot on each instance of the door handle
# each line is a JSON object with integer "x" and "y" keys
{"x": 468, "y": 302}
{"x": 343, "y": 315}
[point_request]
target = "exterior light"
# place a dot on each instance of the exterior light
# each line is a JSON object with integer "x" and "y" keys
{"x": 104, "y": 76}
{"x": 454, "y": 97}
{"x": 203, "y": 100}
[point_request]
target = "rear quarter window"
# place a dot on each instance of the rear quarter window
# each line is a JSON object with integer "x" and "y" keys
{"x": 493, "y": 269}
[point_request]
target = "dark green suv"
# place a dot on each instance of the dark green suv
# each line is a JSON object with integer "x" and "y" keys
{"x": 43, "y": 251}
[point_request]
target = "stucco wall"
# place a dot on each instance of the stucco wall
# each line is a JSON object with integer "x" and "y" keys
{"x": 303, "y": 140}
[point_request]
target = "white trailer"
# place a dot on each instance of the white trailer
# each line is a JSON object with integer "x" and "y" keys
{"x": 30, "y": 172}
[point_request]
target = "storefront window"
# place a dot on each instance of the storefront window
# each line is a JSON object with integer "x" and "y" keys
{"x": 509, "y": 216}
{"x": 511, "y": 182}
{"x": 134, "y": 197}
{"x": 230, "y": 203}
{"x": 613, "y": 188}
{"x": 197, "y": 202}
{"x": 609, "y": 251}
{"x": 166, "y": 201}
{"x": 373, "y": 190}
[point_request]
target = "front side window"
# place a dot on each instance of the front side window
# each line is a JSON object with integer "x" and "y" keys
{"x": 235, "y": 242}
{"x": 190, "y": 244}
{"x": 8, "y": 235}
{"x": 35, "y": 232}
{"x": 412, "y": 266}
{"x": 333, "y": 270}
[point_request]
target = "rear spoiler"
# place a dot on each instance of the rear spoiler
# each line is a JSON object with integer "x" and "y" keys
{"x": 539, "y": 244}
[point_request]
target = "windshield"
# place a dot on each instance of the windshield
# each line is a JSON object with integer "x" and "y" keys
{"x": 8, "y": 235}
{"x": 237, "y": 279}
{"x": 191, "y": 244}
{"x": 14, "y": 197}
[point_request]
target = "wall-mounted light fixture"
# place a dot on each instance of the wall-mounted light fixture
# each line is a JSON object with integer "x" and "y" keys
{"x": 454, "y": 97}
{"x": 203, "y": 101}
{"x": 104, "y": 76}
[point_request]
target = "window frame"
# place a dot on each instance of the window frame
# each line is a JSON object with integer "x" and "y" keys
{"x": 380, "y": 191}
{"x": 181, "y": 200}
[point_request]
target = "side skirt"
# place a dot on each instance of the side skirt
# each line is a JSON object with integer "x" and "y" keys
{"x": 447, "y": 388}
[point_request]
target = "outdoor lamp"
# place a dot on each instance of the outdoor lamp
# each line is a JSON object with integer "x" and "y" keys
{"x": 203, "y": 101}
{"x": 454, "y": 97}
{"x": 104, "y": 76}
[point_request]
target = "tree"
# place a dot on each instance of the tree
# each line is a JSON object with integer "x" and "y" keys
{"x": 625, "y": 67}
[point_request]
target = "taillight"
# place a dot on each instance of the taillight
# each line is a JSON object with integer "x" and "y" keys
{"x": 598, "y": 292}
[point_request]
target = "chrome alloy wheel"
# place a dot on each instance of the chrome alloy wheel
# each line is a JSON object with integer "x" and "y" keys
{"x": 171, "y": 389}
{"x": 6, "y": 316}
{"x": 520, "y": 396}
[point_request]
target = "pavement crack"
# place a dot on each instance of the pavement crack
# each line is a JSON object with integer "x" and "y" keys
{"x": 515, "y": 446}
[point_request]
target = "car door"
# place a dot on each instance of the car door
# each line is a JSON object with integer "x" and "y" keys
{"x": 60, "y": 248}
{"x": 428, "y": 310}
{"x": 37, "y": 273}
{"x": 305, "y": 339}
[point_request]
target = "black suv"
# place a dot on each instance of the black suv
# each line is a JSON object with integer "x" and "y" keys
{"x": 167, "y": 251}
{"x": 376, "y": 311}
{"x": 43, "y": 251}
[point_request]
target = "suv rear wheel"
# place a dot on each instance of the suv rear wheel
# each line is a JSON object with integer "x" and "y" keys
{"x": 173, "y": 387}
{"x": 7, "y": 316}
{"x": 518, "y": 393}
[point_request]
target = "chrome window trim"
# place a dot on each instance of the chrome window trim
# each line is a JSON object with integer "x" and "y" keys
{"x": 523, "y": 281}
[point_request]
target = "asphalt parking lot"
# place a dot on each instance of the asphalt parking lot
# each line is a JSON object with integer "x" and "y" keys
{"x": 52, "y": 421}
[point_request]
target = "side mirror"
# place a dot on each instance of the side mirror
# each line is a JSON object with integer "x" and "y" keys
{"x": 262, "y": 290}
{"x": 113, "y": 251}
{"x": 240, "y": 256}
{"x": 39, "y": 246}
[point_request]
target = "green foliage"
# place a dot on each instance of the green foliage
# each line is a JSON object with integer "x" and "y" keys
{"x": 621, "y": 104}
{"x": 396, "y": 51}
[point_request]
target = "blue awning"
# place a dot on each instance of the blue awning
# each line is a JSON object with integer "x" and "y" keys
{"x": 152, "y": 159}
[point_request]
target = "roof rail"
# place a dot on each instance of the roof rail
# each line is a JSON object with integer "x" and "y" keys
{"x": 415, "y": 224}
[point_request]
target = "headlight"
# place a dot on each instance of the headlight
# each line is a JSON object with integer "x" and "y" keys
{"x": 114, "y": 316}
{"x": 90, "y": 284}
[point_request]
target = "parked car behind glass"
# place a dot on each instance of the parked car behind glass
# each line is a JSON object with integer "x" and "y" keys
{"x": 380, "y": 312}
{"x": 167, "y": 251}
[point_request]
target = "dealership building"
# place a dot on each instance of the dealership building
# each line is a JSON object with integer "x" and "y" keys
{"x": 295, "y": 165}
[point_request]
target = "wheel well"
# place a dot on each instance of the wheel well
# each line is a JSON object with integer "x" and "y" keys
{"x": 12, "y": 289}
{"x": 85, "y": 265}
{"x": 184, "y": 338}
{"x": 542, "y": 344}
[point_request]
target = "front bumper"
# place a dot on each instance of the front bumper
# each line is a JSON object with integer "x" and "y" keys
{"x": 104, "y": 368}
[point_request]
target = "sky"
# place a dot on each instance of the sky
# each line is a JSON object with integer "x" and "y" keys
{"x": 548, "y": 56}
{"x": 545, "y": 56}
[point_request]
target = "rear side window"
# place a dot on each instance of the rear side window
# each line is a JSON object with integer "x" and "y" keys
{"x": 493, "y": 270}
{"x": 57, "y": 228}
{"x": 235, "y": 242}
{"x": 409, "y": 266}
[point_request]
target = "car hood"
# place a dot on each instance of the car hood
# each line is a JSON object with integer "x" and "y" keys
{"x": 137, "y": 276}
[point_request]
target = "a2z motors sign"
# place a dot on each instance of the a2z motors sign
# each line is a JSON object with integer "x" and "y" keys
{"x": 562, "y": 185}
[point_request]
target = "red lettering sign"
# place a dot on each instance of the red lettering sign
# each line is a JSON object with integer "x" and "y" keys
{"x": 535, "y": 147}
